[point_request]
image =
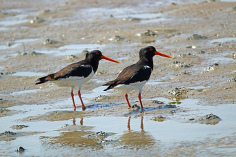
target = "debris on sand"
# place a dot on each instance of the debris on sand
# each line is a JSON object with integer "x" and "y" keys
{"x": 50, "y": 41}
{"x": 106, "y": 142}
{"x": 72, "y": 57}
{"x": 19, "y": 127}
{"x": 8, "y": 133}
{"x": 209, "y": 119}
{"x": 187, "y": 55}
{"x": 183, "y": 73}
{"x": 131, "y": 19}
{"x": 157, "y": 102}
{"x": 30, "y": 53}
{"x": 8, "y": 136}
{"x": 147, "y": 33}
{"x": 178, "y": 93}
{"x": 99, "y": 135}
{"x": 232, "y": 80}
{"x": 233, "y": 55}
{"x": 179, "y": 64}
{"x": 196, "y": 37}
{"x": 191, "y": 47}
{"x": 158, "y": 118}
{"x": 211, "y": 68}
{"x": 37, "y": 20}
{"x": 20, "y": 149}
{"x": 101, "y": 98}
{"x": 117, "y": 38}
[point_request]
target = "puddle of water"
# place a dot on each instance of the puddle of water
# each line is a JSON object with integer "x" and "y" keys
{"x": 25, "y": 40}
{"x": 155, "y": 20}
{"x": 73, "y": 49}
{"x": 17, "y": 43}
{"x": 3, "y": 47}
{"x": 25, "y": 91}
{"x": 15, "y": 20}
{"x": 165, "y": 135}
{"x": 28, "y": 73}
{"x": 222, "y": 40}
{"x": 154, "y": 82}
{"x": 198, "y": 87}
{"x": 141, "y": 16}
{"x": 146, "y": 17}
{"x": 222, "y": 60}
{"x": 81, "y": 47}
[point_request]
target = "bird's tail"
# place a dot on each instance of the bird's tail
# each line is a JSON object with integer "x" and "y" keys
{"x": 44, "y": 79}
{"x": 110, "y": 85}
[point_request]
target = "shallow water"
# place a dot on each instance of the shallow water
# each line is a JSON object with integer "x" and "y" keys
{"x": 73, "y": 49}
{"x": 42, "y": 135}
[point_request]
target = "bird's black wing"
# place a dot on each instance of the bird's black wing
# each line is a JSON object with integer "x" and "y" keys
{"x": 79, "y": 69}
{"x": 142, "y": 74}
{"x": 131, "y": 74}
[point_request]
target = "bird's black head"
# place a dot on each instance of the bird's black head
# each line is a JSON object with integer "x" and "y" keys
{"x": 94, "y": 56}
{"x": 147, "y": 53}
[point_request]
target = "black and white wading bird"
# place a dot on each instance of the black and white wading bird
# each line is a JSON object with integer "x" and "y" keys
{"x": 74, "y": 75}
{"x": 136, "y": 75}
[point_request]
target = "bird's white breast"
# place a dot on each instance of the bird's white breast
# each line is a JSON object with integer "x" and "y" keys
{"x": 130, "y": 87}
{"x": 73, "y": 81}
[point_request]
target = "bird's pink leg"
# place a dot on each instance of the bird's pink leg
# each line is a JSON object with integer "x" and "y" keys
{"x": 83, "y": 107}
{"x": 72, "y": 96}
{"x": 139, "y": 97}
{"x": 126, "y": 97}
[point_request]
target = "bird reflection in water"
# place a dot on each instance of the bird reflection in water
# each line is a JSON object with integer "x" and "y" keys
{"x": 137, "y": 139}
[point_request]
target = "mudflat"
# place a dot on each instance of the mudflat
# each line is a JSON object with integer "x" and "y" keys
{"x": 189, "y": 101}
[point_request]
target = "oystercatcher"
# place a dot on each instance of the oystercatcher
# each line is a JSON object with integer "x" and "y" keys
{"x": 74, "y": 75}
{"x": 136, "y": 75}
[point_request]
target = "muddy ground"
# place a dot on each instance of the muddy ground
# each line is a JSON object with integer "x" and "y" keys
{"x": 199, "y": 36}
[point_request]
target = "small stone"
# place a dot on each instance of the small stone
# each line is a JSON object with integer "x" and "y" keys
{"x": 192, "y": 47}
{"x": 179, "y": 64}
{"x": 186, "y": 55}
{"x": 117, "y": 38}
{"x": 49, "y": 41}
{"x": 131, "y": 19}
{"x": 232, "y": 80}
{"x": 147, "y": 33}
{"x": 196, "y": 37}
{"x": 101, "y": 98}
{"x": 8, "y": 133}
{"x": 210, "y": 119}
{"x": 202, "y": 52}
{"x": 37, "y": 20}
{"x": 20, "y": 149}
{"x": 159, "y": 118}
{"x": 19, "y": 127}
{"x": 135, "y": 106}
{"x": 211, "y": 68}
{"x": 72, "y": 57}
{"x": 31, "y": 53}
{"x": 157, "y": 102}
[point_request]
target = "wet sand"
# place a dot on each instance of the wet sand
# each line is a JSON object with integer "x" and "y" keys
{"x": 199, "y": 79}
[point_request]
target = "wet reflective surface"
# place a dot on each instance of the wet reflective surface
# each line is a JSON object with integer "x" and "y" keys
{"x": 70, "y": 131}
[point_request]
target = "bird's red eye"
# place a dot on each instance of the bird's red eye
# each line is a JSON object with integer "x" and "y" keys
{"x": 97, "y": 53}
{"x": 151, "y": 49}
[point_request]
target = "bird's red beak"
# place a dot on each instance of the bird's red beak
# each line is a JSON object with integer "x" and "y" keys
{"x": 109, "y": 59}
{"x": 162, "y": 54}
